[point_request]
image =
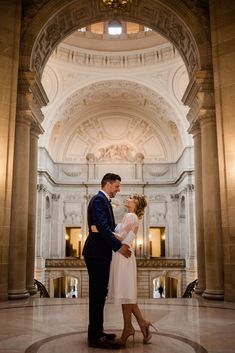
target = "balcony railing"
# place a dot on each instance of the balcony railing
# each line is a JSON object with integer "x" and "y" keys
{"x": 157, "y": 262}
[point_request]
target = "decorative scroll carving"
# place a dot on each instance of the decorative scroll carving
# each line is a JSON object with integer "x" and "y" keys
{"x": 41, "y": 188}
{"x": 175, "y": 197}
{"x": 158, "y": 171}
{"x": 55, "y": 197}
{"x": 65, "y": 263}
{"x": 159, "y": 198}
{"x": 71, "y": 172}
{"x": 156, "y": 263}
{"x": 172, "y": 263}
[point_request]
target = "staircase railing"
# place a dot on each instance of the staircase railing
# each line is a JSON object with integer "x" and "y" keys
{"x": 42, "y": 289}
{"x": 190, "y": 289}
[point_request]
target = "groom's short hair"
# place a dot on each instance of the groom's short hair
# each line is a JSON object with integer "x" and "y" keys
{"x": 110, "y": 178}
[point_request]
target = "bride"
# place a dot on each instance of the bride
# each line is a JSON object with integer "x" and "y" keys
{"x": 123, "y": 273}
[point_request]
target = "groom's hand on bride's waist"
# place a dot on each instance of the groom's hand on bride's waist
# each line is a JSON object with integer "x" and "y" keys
{"x": 125, "y": 250}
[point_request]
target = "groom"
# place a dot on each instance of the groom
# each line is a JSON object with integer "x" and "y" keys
{"x": 98, "y": 253}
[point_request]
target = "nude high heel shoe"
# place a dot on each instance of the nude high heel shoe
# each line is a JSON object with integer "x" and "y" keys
{"x": 146, "y": 331}
{"x": 126, "y": 334}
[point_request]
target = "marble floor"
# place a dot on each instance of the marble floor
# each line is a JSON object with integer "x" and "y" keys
{"x": 46, "y": 325}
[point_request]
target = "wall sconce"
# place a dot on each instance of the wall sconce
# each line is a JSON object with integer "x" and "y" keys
{"x": 140, "y": 244}
{"x": 66, "y": 237}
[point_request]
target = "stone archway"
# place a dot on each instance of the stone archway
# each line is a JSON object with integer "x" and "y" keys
{"x": 44, "y": 25}
{"x": 188, "y": 30}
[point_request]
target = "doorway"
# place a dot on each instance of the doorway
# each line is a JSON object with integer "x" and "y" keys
{"x": 157, "y": 240}
{"x": 73, "y": 242}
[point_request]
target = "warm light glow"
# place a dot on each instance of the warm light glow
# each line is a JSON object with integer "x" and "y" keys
{"x": 116, "y": 4}
{"x": 163, "y": 237}
{"x": 115, "y": 27}
{"x": 66, "y": 237}
{"x": 80, "y": 236}
{"x": 150, "y": 236}
{"x": 140, "y": 243}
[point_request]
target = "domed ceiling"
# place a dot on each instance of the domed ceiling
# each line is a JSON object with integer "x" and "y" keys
{"x": 124, "y": 112}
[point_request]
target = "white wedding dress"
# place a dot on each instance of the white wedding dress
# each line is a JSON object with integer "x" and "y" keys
{"x": 123, "y": 275}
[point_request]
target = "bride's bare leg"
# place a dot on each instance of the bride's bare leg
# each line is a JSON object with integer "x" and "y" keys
{"x": 139, "y": 317}
{"x": 143, "y": 324}
{"x": 128, "y": 329}
{"x": 126, "y": 312}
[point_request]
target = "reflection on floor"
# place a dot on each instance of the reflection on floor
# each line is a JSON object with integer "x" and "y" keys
{"x": 60, "y": 326}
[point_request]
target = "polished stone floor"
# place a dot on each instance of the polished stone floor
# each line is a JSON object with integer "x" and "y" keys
{"x": 59, "y": 325}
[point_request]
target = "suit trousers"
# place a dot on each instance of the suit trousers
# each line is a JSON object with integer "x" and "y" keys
{"x": 98, "y": 271}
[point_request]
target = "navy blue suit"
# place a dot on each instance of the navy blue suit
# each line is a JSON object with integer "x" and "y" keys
{"x": 97, "y": 252}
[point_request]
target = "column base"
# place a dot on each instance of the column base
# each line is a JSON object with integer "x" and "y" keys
{"x": 213, "y": 294}
{"x": 18, "y": 294}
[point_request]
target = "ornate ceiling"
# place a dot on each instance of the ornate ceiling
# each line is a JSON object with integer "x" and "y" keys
{"x": 101, "y": 110}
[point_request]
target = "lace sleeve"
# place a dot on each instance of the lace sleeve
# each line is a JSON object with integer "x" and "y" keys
{"x": 129, "y": 225}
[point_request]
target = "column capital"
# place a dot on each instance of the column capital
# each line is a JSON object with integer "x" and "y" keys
{"x": 24, "y": 118}
{"x": 199, "y": 95}
{"x": 36, "y": 130}
{"x": 194, "y": 128}
{"x": 31, "y": 94}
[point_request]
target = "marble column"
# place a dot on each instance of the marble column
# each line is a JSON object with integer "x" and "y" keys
{"x": 34, "y": 134}
{"x": 19, "y": 215}
{"x": 196, "y": 131}
{"x": 211, "y": 208}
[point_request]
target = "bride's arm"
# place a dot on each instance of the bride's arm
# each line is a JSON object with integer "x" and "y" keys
{"x": 118, "y": 236}
{"x": 130, "y": 225}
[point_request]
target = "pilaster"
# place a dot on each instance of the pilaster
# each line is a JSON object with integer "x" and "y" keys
{"x": 196, "y": 132}
{"x": 200, "y": 97}
{"x": 34, "y": 134}
{"x": 23, "y": 215}
{"x": 19, "y": 213}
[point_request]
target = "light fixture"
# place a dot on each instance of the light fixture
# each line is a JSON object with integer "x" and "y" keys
{"x": 116, "y": 4}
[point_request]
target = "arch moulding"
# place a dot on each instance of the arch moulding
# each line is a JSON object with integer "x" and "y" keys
{"x": 46, "y": 25}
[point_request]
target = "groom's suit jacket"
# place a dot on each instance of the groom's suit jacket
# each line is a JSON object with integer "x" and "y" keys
{"x": 99, "y": 245}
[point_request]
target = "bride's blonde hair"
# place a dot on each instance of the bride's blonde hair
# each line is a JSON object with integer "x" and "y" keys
{"x": 141, "y": 203}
